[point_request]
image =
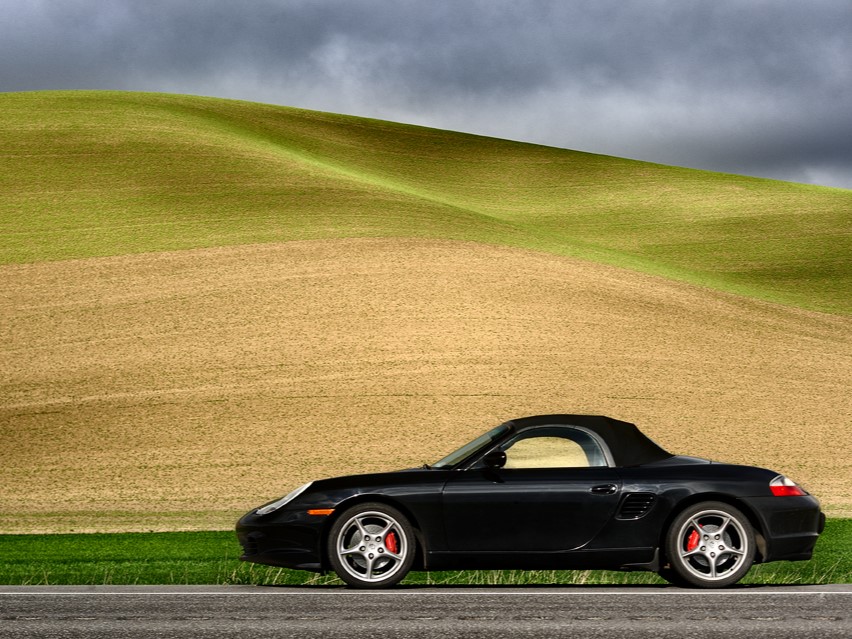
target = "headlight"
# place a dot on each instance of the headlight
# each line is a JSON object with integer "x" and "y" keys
{"x": 275, "y": 505}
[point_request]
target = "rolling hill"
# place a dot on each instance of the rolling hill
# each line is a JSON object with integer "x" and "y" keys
{"x": 203, "y": 302}
{"x": 86, "y": 174}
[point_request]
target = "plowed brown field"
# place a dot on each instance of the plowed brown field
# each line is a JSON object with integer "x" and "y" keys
{"x": 175, "y": 390}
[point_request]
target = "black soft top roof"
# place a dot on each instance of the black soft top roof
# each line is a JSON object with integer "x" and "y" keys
{"x": 626, "y": 443}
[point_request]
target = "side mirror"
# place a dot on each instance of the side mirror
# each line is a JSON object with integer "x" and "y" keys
{"x": 495, "y": 459}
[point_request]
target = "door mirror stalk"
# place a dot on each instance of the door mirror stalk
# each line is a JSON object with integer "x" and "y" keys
{"x": 495, "y": 459}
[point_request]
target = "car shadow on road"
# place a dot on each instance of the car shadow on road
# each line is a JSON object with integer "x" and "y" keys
{"x": 545, "y": 587}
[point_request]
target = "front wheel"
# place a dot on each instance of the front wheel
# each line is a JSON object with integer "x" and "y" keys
{"x": 709, "y": 545}
{"x": 371, "y": 545}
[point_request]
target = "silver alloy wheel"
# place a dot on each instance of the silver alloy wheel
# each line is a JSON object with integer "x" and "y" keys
{"x": 372, "y": 546}
{"x": 712, "y": 545}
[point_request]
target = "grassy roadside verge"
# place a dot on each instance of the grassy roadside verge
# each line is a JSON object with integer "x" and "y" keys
{"x": 212, "y": 558}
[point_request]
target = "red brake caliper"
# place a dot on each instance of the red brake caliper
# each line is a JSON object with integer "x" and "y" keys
{"x": 692, "y": 542}
{"x": 391, "y": 543}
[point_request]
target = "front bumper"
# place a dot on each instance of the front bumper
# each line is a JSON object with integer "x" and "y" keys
{"x": 285, "y": 539}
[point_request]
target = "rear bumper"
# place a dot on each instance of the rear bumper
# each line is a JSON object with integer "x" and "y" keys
{"x": 790, "y": 525}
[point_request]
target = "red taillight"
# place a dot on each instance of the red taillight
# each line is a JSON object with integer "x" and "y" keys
{"x": 787, "y": 491}
{"x": 785, "y": 487}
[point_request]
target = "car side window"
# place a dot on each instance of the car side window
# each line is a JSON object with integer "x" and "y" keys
{"x": 554, "y": 448}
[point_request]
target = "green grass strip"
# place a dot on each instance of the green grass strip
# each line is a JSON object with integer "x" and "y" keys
{"x": 212, "y": 558}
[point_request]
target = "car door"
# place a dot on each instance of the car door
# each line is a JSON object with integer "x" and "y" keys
{"x": 555, "y": 492}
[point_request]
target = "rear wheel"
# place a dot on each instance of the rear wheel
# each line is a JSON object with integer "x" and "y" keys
{"x": 709, "y": 545}
{"x": 371, "y": 545}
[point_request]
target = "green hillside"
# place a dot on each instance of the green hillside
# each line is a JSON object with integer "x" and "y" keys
{"x": 105, "y": 173}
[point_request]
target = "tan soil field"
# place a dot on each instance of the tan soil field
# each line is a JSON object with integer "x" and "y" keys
{"x": 176, "y": 390}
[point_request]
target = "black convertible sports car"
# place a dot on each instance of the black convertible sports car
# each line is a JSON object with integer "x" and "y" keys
{"x": 552, "y": 491}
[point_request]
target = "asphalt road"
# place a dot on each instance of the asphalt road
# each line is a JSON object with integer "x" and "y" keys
{"x": 254, "y": 612}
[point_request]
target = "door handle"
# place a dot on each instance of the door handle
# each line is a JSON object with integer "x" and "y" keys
{"x": 604, "y": 489}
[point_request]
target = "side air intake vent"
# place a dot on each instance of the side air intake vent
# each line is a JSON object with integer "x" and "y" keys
{"x": 636, "y": 505}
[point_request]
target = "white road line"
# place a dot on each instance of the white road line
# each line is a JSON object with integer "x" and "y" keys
{"x": 420, "y": 593}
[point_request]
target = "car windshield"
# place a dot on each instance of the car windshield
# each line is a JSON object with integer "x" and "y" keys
{"x": 473, "y": 447}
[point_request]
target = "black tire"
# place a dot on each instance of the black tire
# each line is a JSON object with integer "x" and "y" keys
{"x": 371, "y": 545}
{"x": 709, "y": 545}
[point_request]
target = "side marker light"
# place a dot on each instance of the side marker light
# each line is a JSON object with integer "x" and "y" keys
{"x": 321, "y": 512}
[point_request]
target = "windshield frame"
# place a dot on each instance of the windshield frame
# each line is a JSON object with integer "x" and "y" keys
{"x": 471, "y": 449}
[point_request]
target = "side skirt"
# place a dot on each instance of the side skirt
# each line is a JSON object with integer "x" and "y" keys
{"x": 610, "y": 559}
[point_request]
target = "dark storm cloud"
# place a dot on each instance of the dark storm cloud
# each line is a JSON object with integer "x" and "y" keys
{"x": 758, "y": 87}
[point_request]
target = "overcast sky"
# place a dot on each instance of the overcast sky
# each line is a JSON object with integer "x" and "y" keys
{"x": 759, "y": 87}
